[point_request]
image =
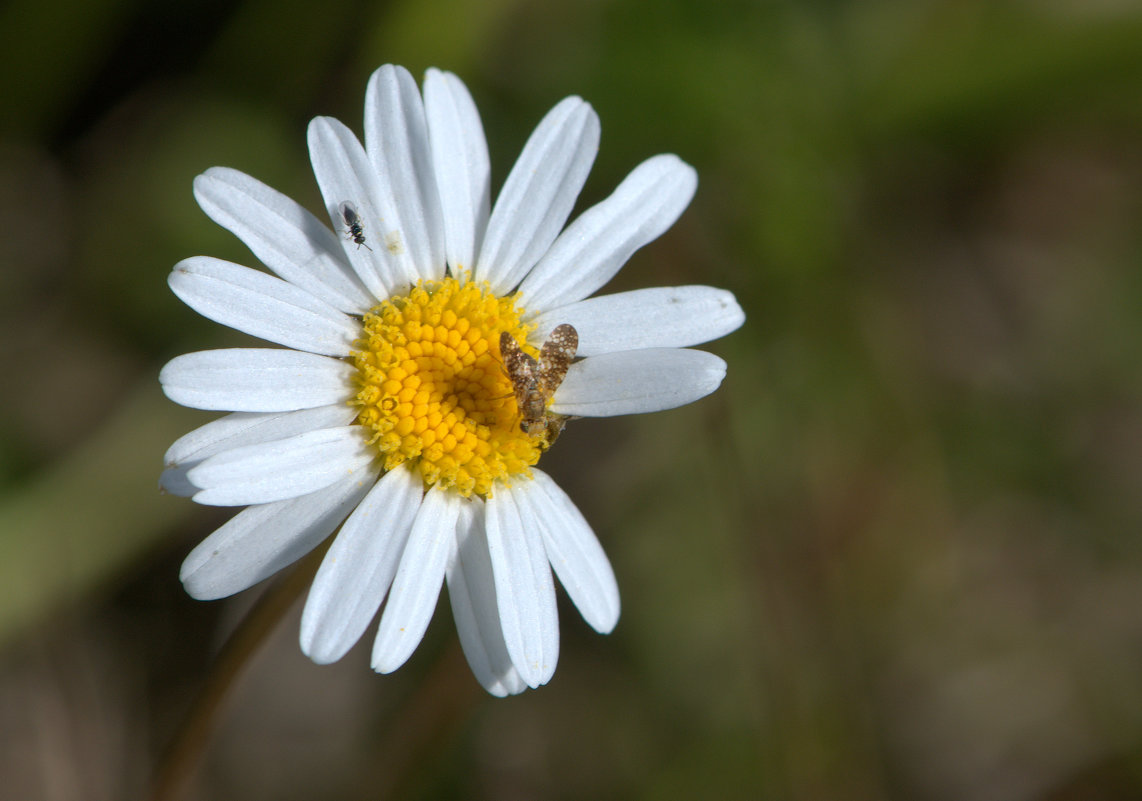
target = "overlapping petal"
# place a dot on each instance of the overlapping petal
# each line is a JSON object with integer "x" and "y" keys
{"x": 472, "y": 593}
{"x": 239, "y": 554}
{"x": 345, "y": 175}
{"x": 283, "y": 235}
{"x": 525, "y": 590}
{"x": 600, "y": 241}
{"x": 416, "y": 587}
{"x": 359, "y": 567}
{"x": 463, "y": 169}
{"x": 574, "y": 552}
{"x": 410, "y": 228}
{"x": 285, "y": 468}
{"x": 539, "y": 193}
{"x": 242, "y": 428}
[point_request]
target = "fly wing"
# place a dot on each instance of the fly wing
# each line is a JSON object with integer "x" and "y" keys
{"x": 555, "y": 357}
{"x": 349, "y": 213}
{"x": 520, "y": 366}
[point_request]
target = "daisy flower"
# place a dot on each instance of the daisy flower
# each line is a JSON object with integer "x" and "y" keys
{"x": 414, "y": 393}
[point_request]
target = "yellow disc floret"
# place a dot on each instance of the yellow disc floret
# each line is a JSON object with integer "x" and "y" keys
{"x": 433, "y": 390}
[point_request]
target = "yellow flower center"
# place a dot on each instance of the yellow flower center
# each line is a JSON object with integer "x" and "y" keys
{"x": 433, "y": 389}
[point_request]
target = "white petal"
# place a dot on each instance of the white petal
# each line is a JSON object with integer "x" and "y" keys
{"x": 359, "y": 566}
{"x": 286, "y": 468}
{"x": 410, "y": 227}
{"x": 463, "y": 169}
{"x": 637, "y": 381}
{"x": 662, "y": 317}
{"x": 248, "y": 428}
{"x": 472, "y": 593}
{"x": 284, "y": 236}
{"x": 262, "y": 305}
{"x": 575, "y": 553}
{"x": 525, "y": 590}
{"x": 261, "y": 540}
{"x": 416, "y": 587}
{"x": 539, "y": 193}
{"x": 242, "y": 428}
{"x": 256, "y": 380}
{"x": 594, "y": 247}
{"x": 345, "y": 175}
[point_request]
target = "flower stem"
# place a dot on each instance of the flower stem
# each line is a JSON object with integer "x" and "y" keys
{"x": 424, "y": 727}
{"x": 186, "y": 751}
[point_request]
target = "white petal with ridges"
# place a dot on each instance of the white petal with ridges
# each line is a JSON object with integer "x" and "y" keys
{"x": 637, "y": 381}
{"x": 539, "y": 193}
{"x": 463, "y": 169}
{"x": 345, "y": 175}
{"x": 472, "y": 594}
{"x": 248, "y": 428}
{"x": 410, "y": 229}
{"x": 243, "y": 428}
{"x": 661, "y": 317}
{"x": 256, "y": 380}
{"x": 286, "y": 468}
{"x": 416, "y": 586}
{"x": 575, "y": 553}
{"x": 259, "y": 304}
{"x": 284, "y": 236}
{"x": 359, "y": 567}
{"x": 261, "y": 540}
{"x": 525, "y": 589}
{"x": 597, "y": 244}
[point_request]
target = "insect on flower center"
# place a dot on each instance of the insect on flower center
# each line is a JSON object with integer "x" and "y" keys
{"x": 433, "y": 389}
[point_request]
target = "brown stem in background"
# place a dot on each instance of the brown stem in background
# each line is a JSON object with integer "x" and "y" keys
{"x": 422, "y": 728}
{"x": 423, "y": 725}
{"x": 186, "y": 751}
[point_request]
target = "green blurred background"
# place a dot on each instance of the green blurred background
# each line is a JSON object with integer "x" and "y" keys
{"x": 896, "y": 556}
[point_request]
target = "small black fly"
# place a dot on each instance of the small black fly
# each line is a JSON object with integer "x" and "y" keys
{"x": 353, "y": 223}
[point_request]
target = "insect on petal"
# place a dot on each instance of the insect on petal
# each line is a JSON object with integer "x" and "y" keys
{"x": 535, "y": 381}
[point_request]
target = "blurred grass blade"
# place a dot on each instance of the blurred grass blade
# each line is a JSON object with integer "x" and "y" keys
{"x": 89, "y": 514}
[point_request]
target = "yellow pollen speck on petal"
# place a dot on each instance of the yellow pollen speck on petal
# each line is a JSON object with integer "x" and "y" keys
{"x": 432, "y": 387}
